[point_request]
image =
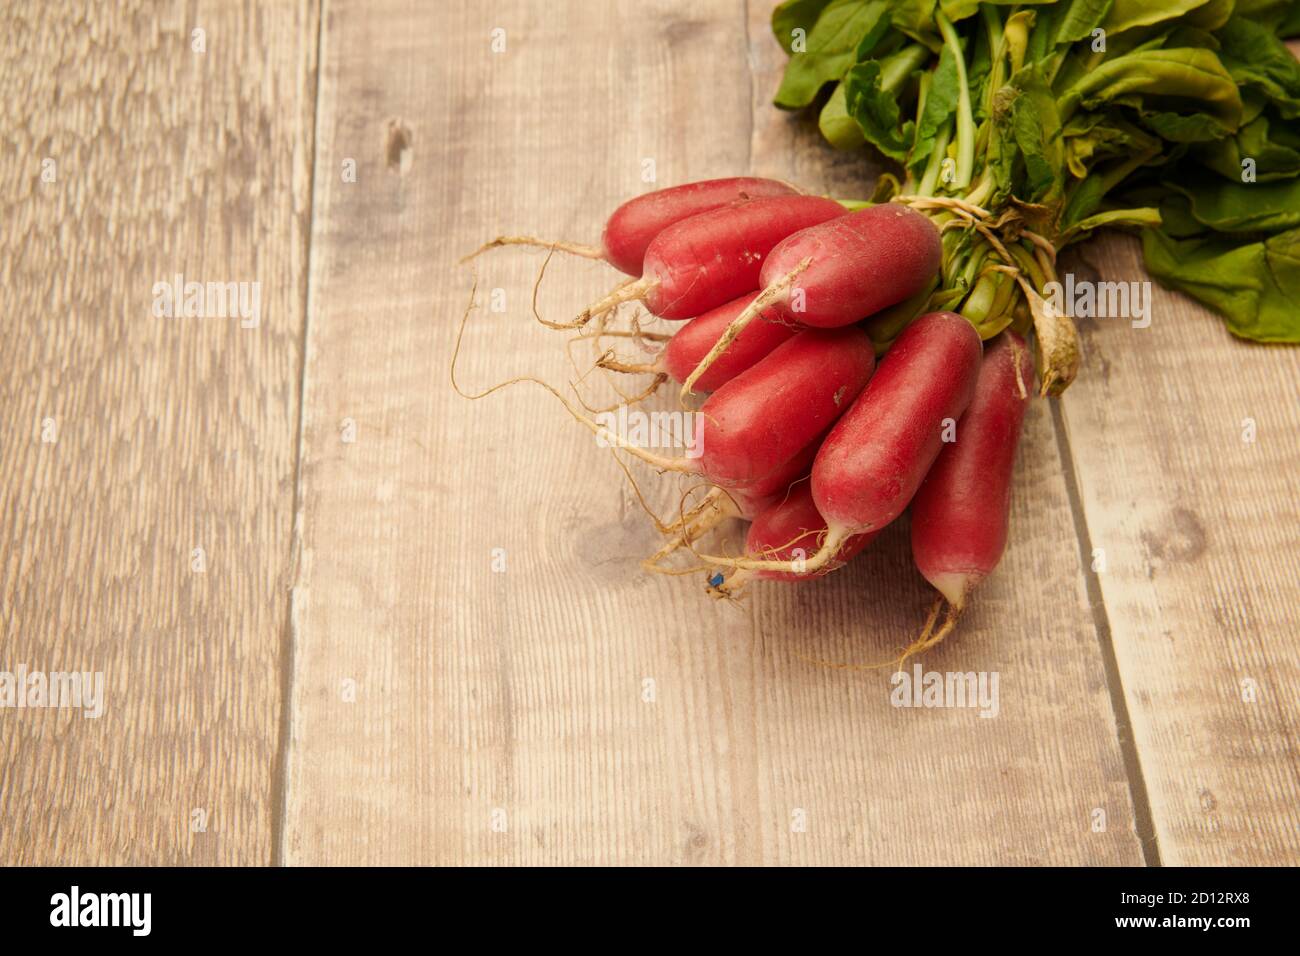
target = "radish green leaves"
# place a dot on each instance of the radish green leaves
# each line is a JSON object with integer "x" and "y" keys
{"x": 1180, "y": 118}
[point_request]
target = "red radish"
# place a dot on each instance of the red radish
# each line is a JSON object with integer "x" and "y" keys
{"x": 693, "y": 341}
{"x": 960, "y": 514}
{"x": 753, "y": 426}
{"x": 859, "y": 264}
{"x": 756, "y": 496}
{"x": 702, "y": 262}
{"x": 767, "y": 415}
{"x": 876, "y": 456}
{"x": 761, "y": 430}
{"x": 633, "y": 225}
{"x": 837, "y": 272}
{"x": 685, "y": 349}
{"x": 791, "y": 530}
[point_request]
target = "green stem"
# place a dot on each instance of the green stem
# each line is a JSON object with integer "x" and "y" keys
{"x": 884, "y": 326}
{"x": 997, "y": 70}
{"x": 1144, "y": 216}
{"x": 931, "y": 175}
{"x": 983, "y": 189}
{"x": 897, "y": 67}
{"x": 965, "y": 117}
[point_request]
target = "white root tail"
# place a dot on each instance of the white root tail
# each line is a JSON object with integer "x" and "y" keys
{"x": 729, "y": 585}
{"x": 556, "y": 245}
{"x": 630, "y": 291}
{"x": 626, "y": 291}
{"x": 929, "y": 637}
{"x": 831, "y": 543}
{"x": 716, "y": 508}
{"x": 611, "y": 362}
{"x": 776, "y": 292}
{"x": 683, "y": 465}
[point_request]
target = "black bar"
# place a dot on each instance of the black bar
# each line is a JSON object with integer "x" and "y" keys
{"x": 334, "y": 906}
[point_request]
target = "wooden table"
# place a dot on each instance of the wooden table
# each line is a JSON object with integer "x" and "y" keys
{"x": 340, "y": 676}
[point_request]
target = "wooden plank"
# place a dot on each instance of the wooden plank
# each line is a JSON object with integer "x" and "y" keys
{"x": 444, "y": 713}
{"x": 1200, "y": 526}
{"x": 129, "y": 440}
{"x": 1052, "y": 760}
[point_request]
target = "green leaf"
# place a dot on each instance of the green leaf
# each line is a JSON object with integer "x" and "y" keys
{"x": 1127, "y": 14}
{"x": 839, "y": 128}
{"x": 1081, "y": 18}
{"x": 1045, "y": 21}
{"x": 1036, "y": 127}
{"x": 980, "y": 73}
{"x": 1103, "y": 150}
{"x": 940, "y": 107}
{"x": 1290, "y": 25}
{"x": 1210, "y": 15}
{"x": 876, "y": 111}
{"x": 1091, "y": 138}
{"x": 1177, "y": 219}
{"x": 879, "y": 39}
{"x": 1280, "y": 16}
{"x": 1253, "y": 285}
{"x": 1254, "y": 56}
{"x": 1151, "y": 80}
{"x": 1181, "y": 128}
{"x": 956, "y": 10}
{"x": 1273, "y": 145}
{"x": 916, "y": 19}
{"x": 831, "y": 48}
{"x": 1001, "y": 153}
{"x": 795, "y": 15}
{"x": 1226, "y": 206}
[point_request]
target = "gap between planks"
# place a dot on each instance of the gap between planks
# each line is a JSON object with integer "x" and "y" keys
{"x": 1143, "y": 821}
{"x": 280, "y": 765}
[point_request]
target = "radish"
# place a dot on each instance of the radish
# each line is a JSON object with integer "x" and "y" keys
{"x": 837, "y": 272}
{"x": 767, "y": 415}
{"x": 828, "y": 369}
{"x": 960, "y": 514}
{"x": 877, "y": 454}
{"x": 702, "y": 262}
{"x": 633, "y": 225}
{"x": 754, "y": 425}
{"x": 685, "y": 349}
{"x": 693, "y": 341}
{"x": 871, "y": 464}
{"x": 789, "y": 530}
{"x": 747, "y": 502}
{"x": 763, "y": 428}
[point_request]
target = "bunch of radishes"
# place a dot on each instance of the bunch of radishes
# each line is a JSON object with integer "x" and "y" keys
{"x": 802, "y": 433}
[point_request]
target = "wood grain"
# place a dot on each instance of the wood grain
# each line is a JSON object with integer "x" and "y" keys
{"x": 1201, "y": 532}
{"x": 129, "y": 440}
{"x": 471, "y": 666}
{"x": 572, "y": 709}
